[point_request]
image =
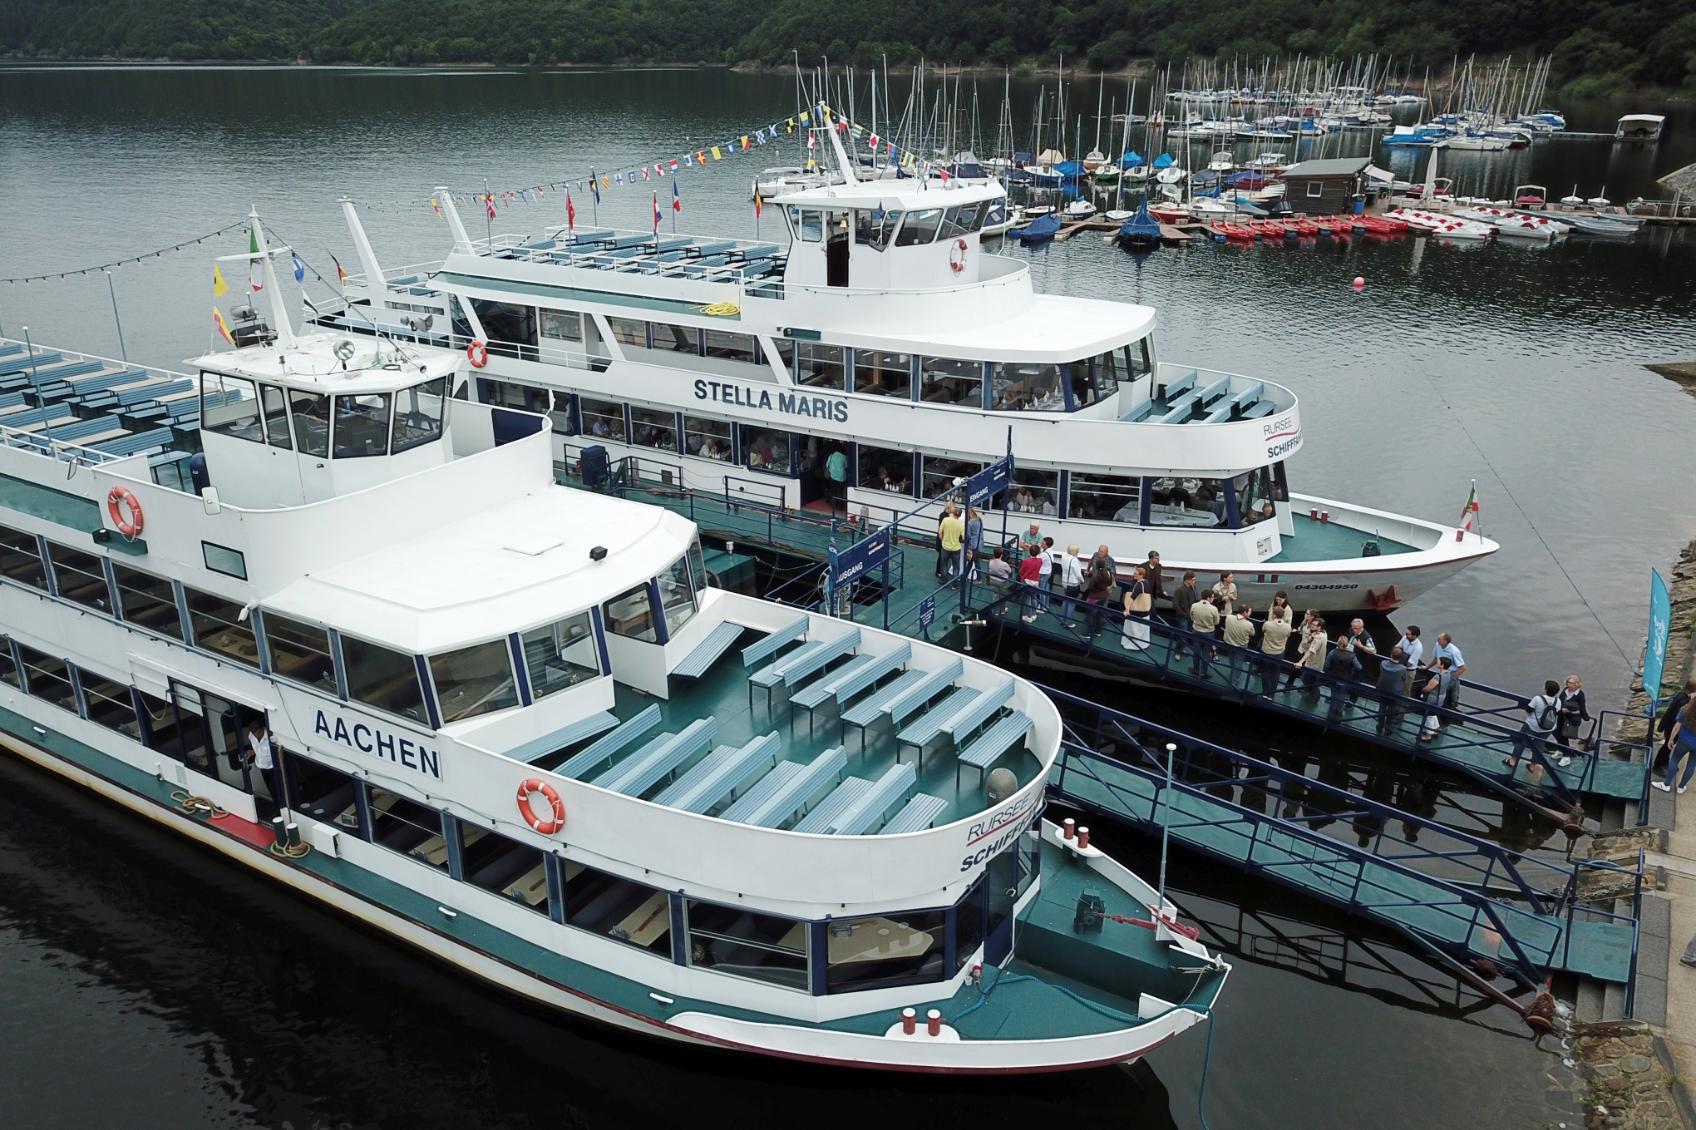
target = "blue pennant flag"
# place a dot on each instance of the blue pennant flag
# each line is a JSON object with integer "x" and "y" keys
{"x": 299, "y": 267}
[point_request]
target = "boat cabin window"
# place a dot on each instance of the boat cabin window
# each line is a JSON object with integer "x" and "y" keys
{"x": 562, "y": 325}
{"x": 219, "y": 627}
{"x": 732, "y": 346}
{"x": 408, "y": 828}
{"x": 945, "y": 380}
{"x": 880, "y": 373}
{"x": 875, "y": 227}
{"x": 808, "y": 224}
{"x": 222, "y": 559}
{"x": 1026, "y": 387}
{"x": 311, "y": 415}
{"x": 961, "y": 220}
{"x": 362, "y": 425}
{"x": 677, "y": 595}
{"x": 80, "y": 577}
{"x": 109, "y": 704}
{"x": 418, "y": 414}
{"x": 885, "y": 468}
{"x": 631, "y": 614}
{"x": 8, "y": 665}
{"x": 883, "y": 951}
{"x": 821, "y": 366}
{"x": 1036, "y": 492}
{"x": 602, "y": 418}
{"x": 652, "y": 428}
{"x": 1138, "y": 361}
{"x": 20, "y": 558}
{"x": 511, "y": 327}
{"x": 1196, "y": 503}
{"x": 938, "y": 473}
{"x": 697, "y": 569}
{"x": 1255, "y": 496}
{"x": 707, "y": 439}
{"x": 629, "y": 331}
{"x": 47, "y": 678}
{"x": 1105, "y": 498}
{"x": 300, "y": 652}
{"x": 274, "y": 402}
{"x": 229, "y": 406}
{"x": 560, "y": 655}
{"x": 764, "y": 449}
{"x": 505, "y": 867}
{"x": 673, "y": 338}
{"x": 627, "y": 911}
{"x": 474, "y": 680}
{"x": 1095, "y": 379}
{"x": 327, "y": 795}
{"x": 381, "y": 677}
{"x": 147, "y": 601}
{"x": 745, "y": 944}
{"x": 919, "y": 227}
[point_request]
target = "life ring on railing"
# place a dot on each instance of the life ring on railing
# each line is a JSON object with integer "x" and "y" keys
{"x": 547, "y": 826}
{"x": 478, "y": 354}
{"x": 125, "y": 511}
{"x": 957, "y": 256}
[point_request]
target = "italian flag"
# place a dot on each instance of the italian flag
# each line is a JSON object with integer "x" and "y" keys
{"x": 1469, "y": 512}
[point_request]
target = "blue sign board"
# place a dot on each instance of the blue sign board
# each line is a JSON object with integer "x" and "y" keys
{"x": 927, "y": 613}
{"x": 1660, "y": 631}
{"x": 989, "y": 482}
{"x": 847, "y": 565}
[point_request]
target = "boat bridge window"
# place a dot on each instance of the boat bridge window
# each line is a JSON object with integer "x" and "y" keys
{"x": 602, "y": 419}
{"x": 808, "y": 224}
{"x": 311, "y": 415}
{"x": 48, "y": 678}
{"x": 230, "y": 406}
{"x": 20, "y": 558}
{"x": 511, "y": 328}
{"x": 80, "y": 577}
{"x": 1026, "y": 387}
{"x": 821, "y": 366}
{"x": 300, "y": 652}
{"x": 109, "y": 704}
{"x": 560, "y": 655}
{"x": 740, "y": 942}
{"x": 652, "y": 428}
{"x": 408, "y": 828}
{"x": 219, "y": 627}
{"x": 418, "y": 414}
{"x": 883, "y": 951}
{"x": 764, "y": 449}
{"x": 875, "y": 227}
{"x": 919, "y": 227}
{"x": 147, "y": 601}
{"x": 631, "y": 614}
{"x": 1035, "y": 492}
{"x": 946, "y": 380}
{"x": 362, "y": 425}
{"x": 938, "y": 473}
{"x": 732, "y": 346}
{"x": 881, "y": 373}
{"x": 8, "y": 665}
{"x": 274, "y": 402}
{"x": 677, "y": 595}
{"x": 474, "y": 680}
{"x": 1255, "y": 496}
{"x": 325, "y": 794}
{"x": 962, "y": 219}
{"x": 1138, "y": 361}
{"x": 381, "y": 677}
{"x": 1105, "y": 498}
{"x": 626, "y": 911}
{"x": 505, "y": 867}
{"x": 885, "y": 468}
{"x": 707, "y": 438}
{"x": 1197, "y": 503}
{"x": 1095, "y": 379}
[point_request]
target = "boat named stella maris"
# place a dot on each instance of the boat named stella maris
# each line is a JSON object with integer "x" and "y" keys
{"x": 365, "y": 646}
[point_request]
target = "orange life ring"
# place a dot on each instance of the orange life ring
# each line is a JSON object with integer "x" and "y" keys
{"x": 957, "y": 256}
{"x": 124, "y": 510}
{"x": 529, "y": 789}
{"x": 478, "y": 354}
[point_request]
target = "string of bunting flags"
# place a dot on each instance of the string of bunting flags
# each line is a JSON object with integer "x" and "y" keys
{"x": 127, "y": 259}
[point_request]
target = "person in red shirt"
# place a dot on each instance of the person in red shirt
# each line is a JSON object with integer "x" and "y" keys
{"x": 1032, "y": 572}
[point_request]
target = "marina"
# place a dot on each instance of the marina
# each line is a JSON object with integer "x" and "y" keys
{"x": 1309, "y": 887}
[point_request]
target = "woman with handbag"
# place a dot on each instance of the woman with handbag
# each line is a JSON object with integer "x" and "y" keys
{"x": 1138, "y": 602}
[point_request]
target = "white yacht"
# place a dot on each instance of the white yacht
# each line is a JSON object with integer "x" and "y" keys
{"x": 370, "y": 650}
{"x": 883, "y": 332}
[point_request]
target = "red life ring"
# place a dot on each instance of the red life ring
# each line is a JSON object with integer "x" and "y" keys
{"x": 551, "y": 824}
{"x": 124, "y": 510}
{"x": 478, "y": 354}
{"x": 957, "y": 256}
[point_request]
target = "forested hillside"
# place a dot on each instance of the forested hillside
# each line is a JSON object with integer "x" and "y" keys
{"x": 1599, "y": 45}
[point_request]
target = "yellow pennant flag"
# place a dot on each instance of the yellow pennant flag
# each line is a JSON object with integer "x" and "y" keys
{"x": 803, "y": 116}
{"x": 717, "y": 156}
{"x": 223, "y": 326}
{"x": 219, "y": 286}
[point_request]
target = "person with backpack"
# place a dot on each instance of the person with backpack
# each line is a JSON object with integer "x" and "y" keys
{"x": 1540, "y": 716}
{"x": 1669, "y": 720}
{"x": 1683, "y": 749}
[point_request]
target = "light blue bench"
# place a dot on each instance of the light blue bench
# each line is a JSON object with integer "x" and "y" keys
{"x": 767, "y": 647}
{"x": 586, "y": 727}
{"x": 917, "y": 814}
{"x": 974, "y": 714}
{"x": 759, "y": 251}
{"x": 718, "y": 247}
{"x": 763, "y": 791}
{"x": 699, "y": 661}
{"x": 929, "y": 724}
{"x": 660, "y": 758}
{"x": 1183, "y": 384}
{"x": 53, "y": 380}
{"x": 799, "y": 664}
{"x": 1207, "y": 395}
{"x": 792, "y": 796}
{"x": 609, "y": 745}
{"x": 136, "y": 442}
{"x": 827, "y": 810}
{"x": 104, "y": 379}
{"x": 1263, "y": 408}
{"x": 920, "y": 696}
{"x": 866, "y": 811}
{"x": 867, "y": 711}
{"x": 986, "y": 749}
{"x": 77, "y": 429}
{"x": 14, "y": 366}
{"x": 720, "y": 774}
{"x": 850, "y": 679}
{"x": 1180, "y": 409}
{"x": 1139, "y": 411}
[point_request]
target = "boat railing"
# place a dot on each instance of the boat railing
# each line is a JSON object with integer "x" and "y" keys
{"x": 392, "y": 274}
{"x": 39, "y": 443}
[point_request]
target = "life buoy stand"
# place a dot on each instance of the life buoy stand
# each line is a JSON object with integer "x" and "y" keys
{"x": 478, "y": 354}
{"x": 550, "y": 824}
{"x": 957, "y": 256}
{"x": 125, "y": 511}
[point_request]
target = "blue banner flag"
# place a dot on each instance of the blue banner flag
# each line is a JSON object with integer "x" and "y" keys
{"x": 1660, "y": 631}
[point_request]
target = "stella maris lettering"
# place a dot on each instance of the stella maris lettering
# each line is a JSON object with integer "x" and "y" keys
{"x": 379, "y": 743}
{"x": 769, "y": 400}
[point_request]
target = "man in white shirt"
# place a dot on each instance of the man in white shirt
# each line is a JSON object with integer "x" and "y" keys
{"x": 1414, "y": 649}
{"x": 261, "y": 756}
{"x": 1457, "y": 662}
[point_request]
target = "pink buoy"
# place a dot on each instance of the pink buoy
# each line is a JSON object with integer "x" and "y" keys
{"x": 1359, "y": 282}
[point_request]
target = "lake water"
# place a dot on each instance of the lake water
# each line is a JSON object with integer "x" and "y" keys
{"x": 188, "y": 995}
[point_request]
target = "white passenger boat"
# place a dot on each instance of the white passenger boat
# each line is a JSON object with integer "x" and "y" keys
{"x": 885, "y": 334}
{"x": 513, "y": 725}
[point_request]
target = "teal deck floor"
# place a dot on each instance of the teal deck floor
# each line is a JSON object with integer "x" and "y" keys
{"x": 1327, "y": 541}
{"x": 1335, "y": 874}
